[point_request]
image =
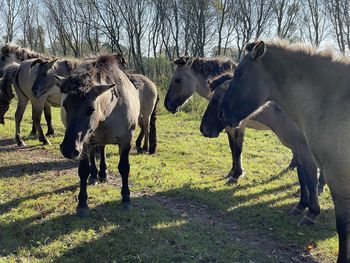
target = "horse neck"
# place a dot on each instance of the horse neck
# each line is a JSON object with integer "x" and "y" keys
{"x": 202, "y": 87}
{"x": 299, "y": 91}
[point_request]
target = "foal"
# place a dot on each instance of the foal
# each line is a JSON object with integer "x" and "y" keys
{"x": 100, "y": 107}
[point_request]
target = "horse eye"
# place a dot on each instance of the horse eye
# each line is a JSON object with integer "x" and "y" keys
{"x": 90, "y": 111}
{"x": 177, "y": 80}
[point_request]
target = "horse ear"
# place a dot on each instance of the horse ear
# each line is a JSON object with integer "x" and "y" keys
{"x": 51, "y": 63}
{"x": 258, "y": 50}
{"x": 60, "y": 80}
{"x": 36, "y": 61}
{"x": 181, "y": 61}
{"x": 120, "y": 58}
{"x": 210, "y": 84}
{"x": 99, "y": 89}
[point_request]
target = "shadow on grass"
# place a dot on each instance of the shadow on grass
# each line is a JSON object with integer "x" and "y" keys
{"x": 18, "y": 170}
{"x": 135, "y": 238}
{"x": 7, "y": 206}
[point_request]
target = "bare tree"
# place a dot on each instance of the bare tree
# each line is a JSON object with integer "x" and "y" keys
{"x": 286, "y": 13}
{"x": 314, "y": 21}
{"x": 10, "y": 12}
{"x": 136, "y": 20}
{"x": 250, "y": 21}
{"x": 336, "y": 15}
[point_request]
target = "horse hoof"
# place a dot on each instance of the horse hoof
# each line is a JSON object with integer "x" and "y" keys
{"x": 231, "y": 181}
{"x": 21, "y": 144}
{"x": 152, "y": 152}
{"x": 139, "y": 149}
{"x": 46, "y": 142}
{"x": 306, "y": 221}
{"x": 295, "y": 212}
{"x": 82, "y": 212}
{"x": 93, "y": 181}
{"x": 126, "y": 206}
{"x": 103, "y": 180}
{"x": 50, "y": 133}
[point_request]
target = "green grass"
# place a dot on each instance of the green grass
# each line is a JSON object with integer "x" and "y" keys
{"x": 38, "y": 200}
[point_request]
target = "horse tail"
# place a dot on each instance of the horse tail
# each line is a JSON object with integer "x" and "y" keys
{"x": 153, "y": 129}
{"x": 7, "y": 75}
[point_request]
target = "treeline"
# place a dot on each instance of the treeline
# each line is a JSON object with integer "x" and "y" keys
{"x": 153, "y": 32}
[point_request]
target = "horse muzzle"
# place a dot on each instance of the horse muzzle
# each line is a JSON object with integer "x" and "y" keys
{"x": 70, "y": 153}
{"x": 170, "y": 107}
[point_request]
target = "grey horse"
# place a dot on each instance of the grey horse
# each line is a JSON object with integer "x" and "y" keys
{"x": 147, "y": 90}
{"x": 313, "y": 88}
{"x": 287, "y": 132}
{"x": 101, "y": 106}
{"x": 191, "y": 75}
{"x": 10, "y": 53}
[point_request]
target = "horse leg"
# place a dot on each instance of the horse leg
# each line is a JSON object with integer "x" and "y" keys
{"x": 146, "y": 131}
{"x": 310, "y": 173}
{"x": 21, "y": 106}
{"x": 293, "y": 163}
{"x": 235, "y": 138}
{"x": 124, "y": 169}
{"x": 37, "y": 108}
{"x": 102, "y": 174}
{"x": 153, "y": 129}
{"x": 33, "y": 131}
{"x": 321, "y": 183}
{"x": 48, "y": 118}
{"x": 338, "y": 187}
{"x": 304, "y": 194}
{"x": 84, "y": 171}
{"x": 93, "y": 167}
{"x": 140, "y": 137}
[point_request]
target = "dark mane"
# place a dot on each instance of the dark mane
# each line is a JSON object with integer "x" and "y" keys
{"x": 207, "y": 66}
{"x": 21, "y": 53}
{"x": 216, "y": 82}
{"x": 103, "y": 69}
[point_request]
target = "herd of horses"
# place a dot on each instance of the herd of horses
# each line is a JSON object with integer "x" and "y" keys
{"x": 298, "y": 92}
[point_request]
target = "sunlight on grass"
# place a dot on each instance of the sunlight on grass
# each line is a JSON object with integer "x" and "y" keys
{"x": 38, "y": 201}
{"x": 176, "y": 223}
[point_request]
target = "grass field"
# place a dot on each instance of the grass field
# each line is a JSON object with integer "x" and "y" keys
{"x": 182, "y": 209}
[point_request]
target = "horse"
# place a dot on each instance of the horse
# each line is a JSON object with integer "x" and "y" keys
{"x": 10, "y": 53}
{"x": 23, "y": 79}
{"x": 287, "y": 132}
{"x": 148, "y": 96}
{"x": 6, "y": 92}
{"x": 312, "y": 87}
{"x": 191, "y": 75}
{"x": 100, "y": 106}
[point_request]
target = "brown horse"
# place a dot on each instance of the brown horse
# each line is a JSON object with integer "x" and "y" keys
{"x": 313, "y": 88}
{"x": 101, "y": 106}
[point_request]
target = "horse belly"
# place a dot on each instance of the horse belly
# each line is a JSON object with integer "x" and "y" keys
{"x": 54, "y": 97}
{"x": 256, "y": 125}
